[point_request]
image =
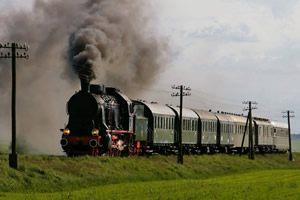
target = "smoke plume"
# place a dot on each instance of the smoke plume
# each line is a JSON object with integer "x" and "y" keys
{"x": 114, "y": 44}
{"x": 109, "y": 41}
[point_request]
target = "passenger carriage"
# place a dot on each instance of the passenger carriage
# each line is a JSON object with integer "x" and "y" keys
{"x": 189, "y": 128}
{"x": 280, "y": 134}
{"x": 225, "y": 132}
{"x": 263, "y": 135}
{"x": 239, "y": 123}
{"x": 161, "y": 127}
{"x": 207, "y": 137}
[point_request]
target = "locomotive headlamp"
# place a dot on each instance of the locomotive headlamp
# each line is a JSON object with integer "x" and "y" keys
{"x": 66, "y": 131}
{"x": 95, "y": 132}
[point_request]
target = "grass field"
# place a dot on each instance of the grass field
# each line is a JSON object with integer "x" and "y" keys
{"x": 272, "y": 184}
{"x": 295, "y": 145}
{"x": 3, "y": 149}
{"x": 219, "y": 176}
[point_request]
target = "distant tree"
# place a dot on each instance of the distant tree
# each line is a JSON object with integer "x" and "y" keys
{"x": 295, "y": 136}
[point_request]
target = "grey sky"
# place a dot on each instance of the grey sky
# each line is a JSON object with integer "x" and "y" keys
{"x": 232, "y": 51}
{"x": 228, "y": 51}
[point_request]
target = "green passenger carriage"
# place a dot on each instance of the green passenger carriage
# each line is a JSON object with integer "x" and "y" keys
{"x": 208, "y": 130}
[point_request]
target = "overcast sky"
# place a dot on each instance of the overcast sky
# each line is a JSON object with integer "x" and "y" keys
{"x": 228, "y": 51}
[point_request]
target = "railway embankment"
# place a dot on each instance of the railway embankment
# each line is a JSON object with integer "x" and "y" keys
{"x": 46, "y": 174}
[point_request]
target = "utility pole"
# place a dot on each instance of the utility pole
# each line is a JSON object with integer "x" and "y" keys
{"x": 288, "y": 116}
{"x": 242, "y": 145}
{"x": 181, "y": 94}
{"x": 13, "y": 159}
{"x": 251, "y": 144}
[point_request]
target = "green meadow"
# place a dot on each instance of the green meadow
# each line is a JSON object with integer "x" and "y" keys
{"x": 295, "y": 145}
{"x": 269, "y": 176}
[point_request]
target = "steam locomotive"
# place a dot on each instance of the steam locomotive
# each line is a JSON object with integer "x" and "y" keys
{"x": 103, "y": 121}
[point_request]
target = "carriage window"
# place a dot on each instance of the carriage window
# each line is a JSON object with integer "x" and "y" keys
{"x": 227, "y": 128}
{"x": 167, "y": 123}
{"x": 193, "y": 124}
{"x": 187, "y": 125}
{"x": 206, "y": 126}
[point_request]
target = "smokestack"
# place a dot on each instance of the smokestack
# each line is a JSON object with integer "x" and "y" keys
{"x": 85, "y": 85}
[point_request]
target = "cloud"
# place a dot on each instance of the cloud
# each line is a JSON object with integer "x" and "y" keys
{"x": 242, "y": 50}
{"x": 225, "y": 32}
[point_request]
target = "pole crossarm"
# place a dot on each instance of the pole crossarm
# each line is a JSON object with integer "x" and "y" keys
{"x": 182, "y": 88}
{"x": 252, "y": 107}
{"x": 15, "y": 46}
{"x": 13, "y": 55}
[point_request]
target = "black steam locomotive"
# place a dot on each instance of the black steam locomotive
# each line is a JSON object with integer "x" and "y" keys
{"x": 102, "y": 121}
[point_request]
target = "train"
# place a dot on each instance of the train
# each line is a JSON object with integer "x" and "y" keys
{"x": 104, "y": 121}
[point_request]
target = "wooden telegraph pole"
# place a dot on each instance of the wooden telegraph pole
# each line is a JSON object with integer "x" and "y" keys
{"x": 13, "y": 159}
{"x": 251, "y": 143}
{"x": 181, "y": 94}
{"x": 288, "y": 116}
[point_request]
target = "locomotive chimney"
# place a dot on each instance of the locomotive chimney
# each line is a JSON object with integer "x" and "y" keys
{"x": 85, "y": 85}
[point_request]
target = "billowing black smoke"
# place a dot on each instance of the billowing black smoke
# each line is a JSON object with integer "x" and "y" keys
{"x": 114, "y": 44}
{"x": 108, "y": 41}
